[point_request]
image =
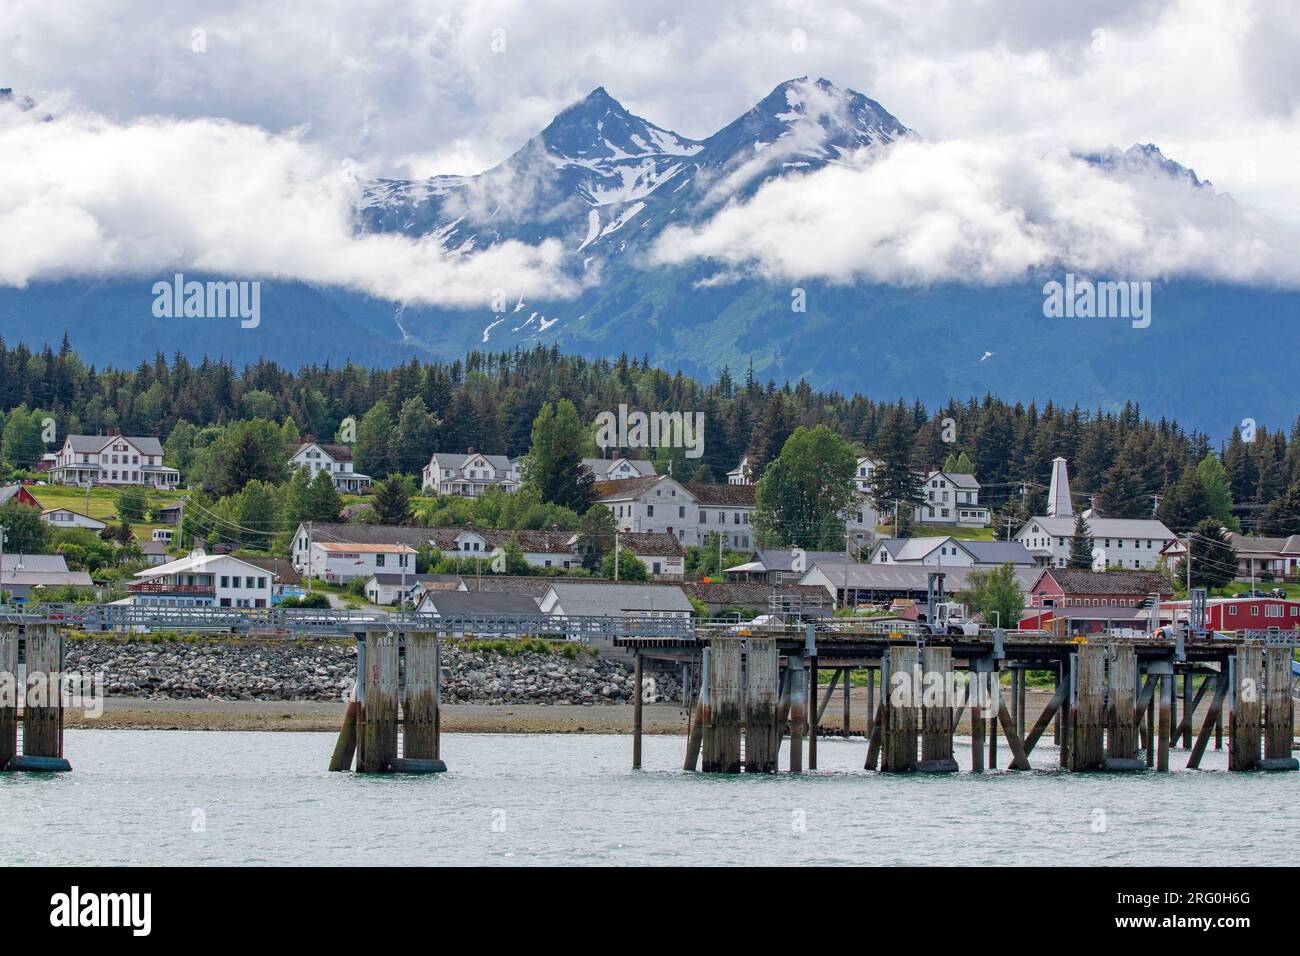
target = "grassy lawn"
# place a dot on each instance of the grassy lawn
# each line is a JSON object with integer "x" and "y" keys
{"x": 944, "y": 530}
{"x": 102, "y": 503}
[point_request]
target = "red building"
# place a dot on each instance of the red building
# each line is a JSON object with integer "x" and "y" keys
{"x": 18, "y": 493}
{"x": 1065, "y": 588}
{"x": 1239, "y": 614}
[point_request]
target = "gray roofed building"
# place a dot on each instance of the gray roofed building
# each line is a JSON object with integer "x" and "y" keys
{"x": 612, "y": 469}
{"x": 21, "y": 574}
{"x": 445, "y": 603}
{"x": 615, "y": 600}
{"x": 112, "y": 460}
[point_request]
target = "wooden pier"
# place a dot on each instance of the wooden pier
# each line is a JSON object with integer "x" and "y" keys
{"x": 38, "y": 648}
{"x": 1114, "y": 706}
{"x": 394, "y": 723}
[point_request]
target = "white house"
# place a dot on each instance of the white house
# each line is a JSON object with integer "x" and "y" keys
{"x": 203, "y": 580}
{"x": 653, "y": 503}
{"x": 469, "y": 475}
{"x": 862, "y": 476}
{"x": 335, "y": 460}
{"x": 724, "y": 508}
{"x": 339, "y": 562}
{"x": 308, "y": 533}
{"x": 1116, "y": 542}
{"x": 860, "y": 527}
{"x": 616, "y": 469}
{"x": 67, "y": 518}
{"x": 662, "y": 554}
{"x": 742, "y": 474}
{"x": 112, "y": 460}
{"x": 952, "y": 499}
{"x": 541, "y": 549}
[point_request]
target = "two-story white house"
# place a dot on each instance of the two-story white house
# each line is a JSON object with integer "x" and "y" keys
{"x": 616, "y": 469}
{"x": 653, "y": 503}
{"x": 112, "y": 460}
{"x": 952, "y": 499}
{"x": 742, "y": 474}
{"x": 334, "y": 460}
{"x": 862, "y": 475}
{"x": 339, "y": 562}
{"x": 469, "y": 475}
{"x": 541, "y": 549}
{"x": 1117, "y": 542}
{"x": 203, "y": 580}
{"x": 724, "y": 508}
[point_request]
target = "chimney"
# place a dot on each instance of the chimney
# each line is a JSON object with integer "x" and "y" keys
{"x": 1058, "y": 495}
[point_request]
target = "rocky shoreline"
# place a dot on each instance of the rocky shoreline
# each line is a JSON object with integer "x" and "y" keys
{"x": 233, "y": 669}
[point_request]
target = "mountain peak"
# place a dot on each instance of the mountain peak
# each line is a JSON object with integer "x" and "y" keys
{"x": 598, "y": 127}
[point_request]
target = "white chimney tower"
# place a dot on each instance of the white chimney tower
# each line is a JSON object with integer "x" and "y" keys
{"x": 1058, "y": 496}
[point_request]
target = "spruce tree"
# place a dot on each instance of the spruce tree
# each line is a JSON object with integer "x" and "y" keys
{"x": 391, "y": 503}
{"x": 1081, "y": 544}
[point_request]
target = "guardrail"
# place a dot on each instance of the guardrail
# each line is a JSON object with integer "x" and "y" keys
{"x": 341, "y": 622}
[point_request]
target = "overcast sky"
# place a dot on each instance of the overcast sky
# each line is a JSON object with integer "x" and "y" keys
{"x": 269, "y": 107}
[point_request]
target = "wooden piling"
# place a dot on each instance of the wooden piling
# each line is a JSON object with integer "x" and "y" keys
{"x": 1121, "y": 704}
{"x": 345, "y": 747}
{"x": 1279, "y": 715}
{"x": 420, "y": 707}
{"x": 638, "y": 694}
{"x": 379, "y": 715}
{"x": 43, "y": 713}
{"x": 1189, "y": 710}
{"x": 937, "y": 691}
{"x": 1088, "y": 715}
{"x": 1165, "y": 730}
{"x": 848, "y": 688}
{"x": 1244, "y": 717}
{"x": 722, "y": 729}
{"x": 814, "y": 712}
{"x": 871, "y": 698}
{"x": 976, "y": 732}
{"x": 1213, "y": 718}
{"x": 797, "y": 684}
{"x": 695, "y": 739}
{"x": 898, "y": 743}
{"x": 1067, "y": 679}
{"x": 9, "y": 693}
{"x": 761, "y": 743}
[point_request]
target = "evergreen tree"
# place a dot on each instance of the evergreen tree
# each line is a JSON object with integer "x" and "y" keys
{"x": 1214, "y": 560}
{"x": 1081, "y": 544}
{"x": 1185, "y": 503}
{"x": 391, "y": 502}
{"x": 554, "y": 464}
{"x": 1282, "y": 517}
{"x": 373, "y": 453}
{"x": 259, "y": 515}
{"x": 323, "y": 499}
{"x": 893, "y": 484}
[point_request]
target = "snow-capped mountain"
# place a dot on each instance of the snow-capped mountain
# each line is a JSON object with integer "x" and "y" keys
{"x": 599, "y": 177}
{"x": 605, "y": 184}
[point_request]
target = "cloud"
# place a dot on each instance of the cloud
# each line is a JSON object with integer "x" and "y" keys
{"x": 985, "y": 212}
{"x": 86, "y": 196}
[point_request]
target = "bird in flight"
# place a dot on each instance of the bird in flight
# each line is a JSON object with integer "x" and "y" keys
{"x": 986, "y": 355}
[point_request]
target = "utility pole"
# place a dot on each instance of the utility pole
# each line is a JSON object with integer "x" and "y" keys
{"x": 616, "y": 538}
{"x": 719, "y": 555}
{"x": 2, "y": 562}
{"x": 309, "y": 556}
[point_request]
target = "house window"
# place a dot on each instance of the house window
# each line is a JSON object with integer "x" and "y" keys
{"x": 649, "y": 511}
{"x": 379, "y": 560}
